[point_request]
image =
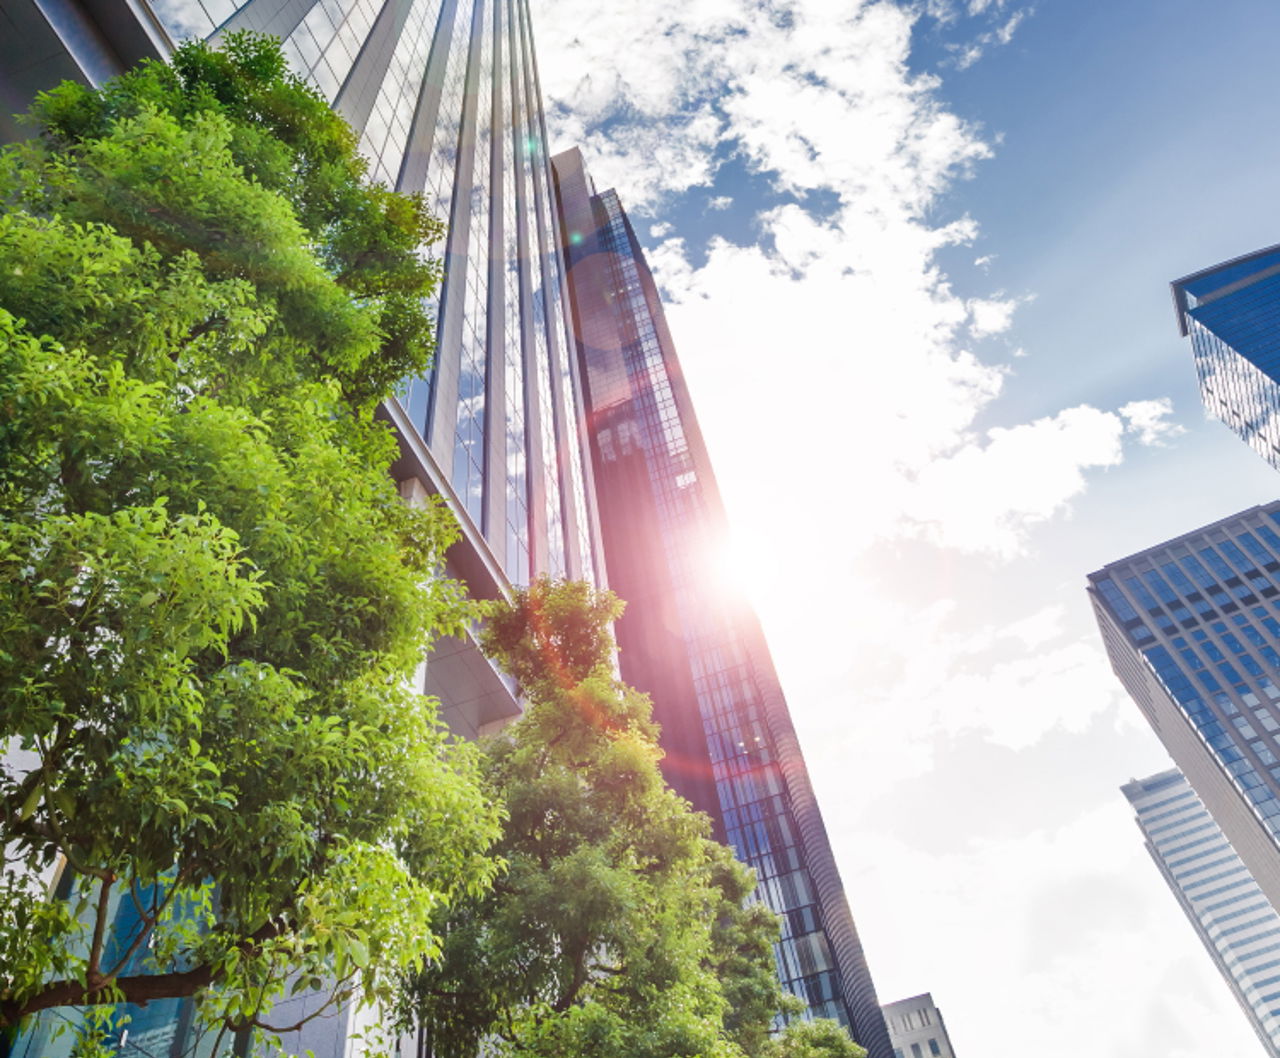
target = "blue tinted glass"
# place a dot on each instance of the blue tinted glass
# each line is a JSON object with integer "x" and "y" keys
{"x": 1160, "y": 587}
{"x": 1235, "y": 555}
{"x": 1215, "y": 562}
{"x": 1140, "y": 593}
{"x": 1268, "y": 534}
{"x": 1221, "y": 277}
{"x": 1178, "y": 577}
{"x": 1114, "y": 599}
{"x": 1255, "y": 548}
{"x": 1201, "y": 575}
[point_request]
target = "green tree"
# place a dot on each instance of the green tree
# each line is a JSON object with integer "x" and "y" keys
{"x": 742, "y": 959}
{"x": 213, "y": 597}
{"x": 820, "y": 1038}
{"x": 617, "y": 926}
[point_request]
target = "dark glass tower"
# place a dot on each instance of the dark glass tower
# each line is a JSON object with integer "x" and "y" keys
{"x": 1232, "y": 313}
{"x": 730, "y": 743}
{"x": 1192, "y": 627}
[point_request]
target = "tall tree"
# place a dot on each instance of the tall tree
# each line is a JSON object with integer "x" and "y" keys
{"x": 212, "y": 595}
{"x": 617, "y": 927}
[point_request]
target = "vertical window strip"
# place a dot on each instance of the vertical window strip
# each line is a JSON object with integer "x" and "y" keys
{"x": 572, "y": 439}
{"x": 386, "y": 134}
{"x": 439, "y": 188}
{"x": 538, "y": 312}
{"x": 517, "y": 485}
{"x": 469, "y": 447}
{"x": 324, "y": 45}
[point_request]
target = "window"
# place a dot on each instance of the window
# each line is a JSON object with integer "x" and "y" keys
{"x": 934, "y": 1049}
{"x": 916, "y": 1052}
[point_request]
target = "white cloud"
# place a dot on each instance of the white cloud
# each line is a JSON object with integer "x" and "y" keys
{"x": 990, "y": 316}
{"x": 720, "y": 202}
{"x": 837, "y": 377}
{"x": 927, "y": 671}
{"x": 1099, "y": 956}
{"x": 985, "y": 497}
{"x": 646, "y": 160}
{"x": 1149, "y": 420}
{"x": 970, "y": 52}
{"x": 822, "y": 100}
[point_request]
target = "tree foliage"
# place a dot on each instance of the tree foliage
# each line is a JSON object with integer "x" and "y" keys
{"x": 213, "y": 596}
{"x": 820, "y": 1038}
{"x": 618, "y": 928}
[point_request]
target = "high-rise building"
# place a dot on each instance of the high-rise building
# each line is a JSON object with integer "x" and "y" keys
{"x": 1237, "y": 923}
{"x": 1232, "y": 313}
{"x": 1192, "y": 630}
{"x": 699, "y": 652}
{"x": 445, "y": 97}
{"x": 916, "y": 1028}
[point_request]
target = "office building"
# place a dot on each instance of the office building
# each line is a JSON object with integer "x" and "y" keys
{"x": 731, "y": 747}
{"x": 916, "y": 1028}
{"x": 445, "y": 97}
{"x": 1236, "y": 922}
{"x": 1232, "y": 314}
{"x": 1192, "y": 630}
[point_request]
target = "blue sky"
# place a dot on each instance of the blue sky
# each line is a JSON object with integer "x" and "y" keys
{"x": 916, "y": 259}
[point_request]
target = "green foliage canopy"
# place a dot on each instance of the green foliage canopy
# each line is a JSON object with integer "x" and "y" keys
{"x": 820, "y": 1038}
{"x": 618, "y": 927}
{"x": 213, "y": 596}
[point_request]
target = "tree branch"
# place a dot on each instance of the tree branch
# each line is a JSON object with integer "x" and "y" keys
{"x": 256, "y": 1023}
{"x": 139, "y": 989}
{"x": 93, "y": 977}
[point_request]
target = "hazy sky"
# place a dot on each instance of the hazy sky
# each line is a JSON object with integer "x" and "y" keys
{"x": 916, "y": 257}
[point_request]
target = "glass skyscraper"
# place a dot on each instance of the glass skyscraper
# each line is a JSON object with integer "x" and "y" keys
{"x": 1192, "y": 627}
{"x": 1232, "y": 314}
{"x": 445, "y": 97}
{"x": 731, "y": 747}
{"x": 1233, "y": 918}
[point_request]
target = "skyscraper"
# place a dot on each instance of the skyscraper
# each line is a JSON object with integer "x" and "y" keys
{"x": 731, "y": 746}
{"x": 1233, "y": 918}
{"x": 1232, "y": 313}
{"x": 1192, "y": 630}
{"x": 445, "y": 97}
{"x": 916, "y": 1028}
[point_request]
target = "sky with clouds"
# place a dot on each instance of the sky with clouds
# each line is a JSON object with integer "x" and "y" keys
{"x": 915, "y": 257}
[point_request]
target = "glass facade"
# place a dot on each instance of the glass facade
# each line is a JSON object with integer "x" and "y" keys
{"x": 444, "y": 97}
{"x": 651, "y": 474}
{"x": 444, "y": 94}
{"x": 1235, "y": 920}
{"x": 1232, "y": 314}
{"x": 753, "y": 800}
{"x": 1202, "y": 613}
